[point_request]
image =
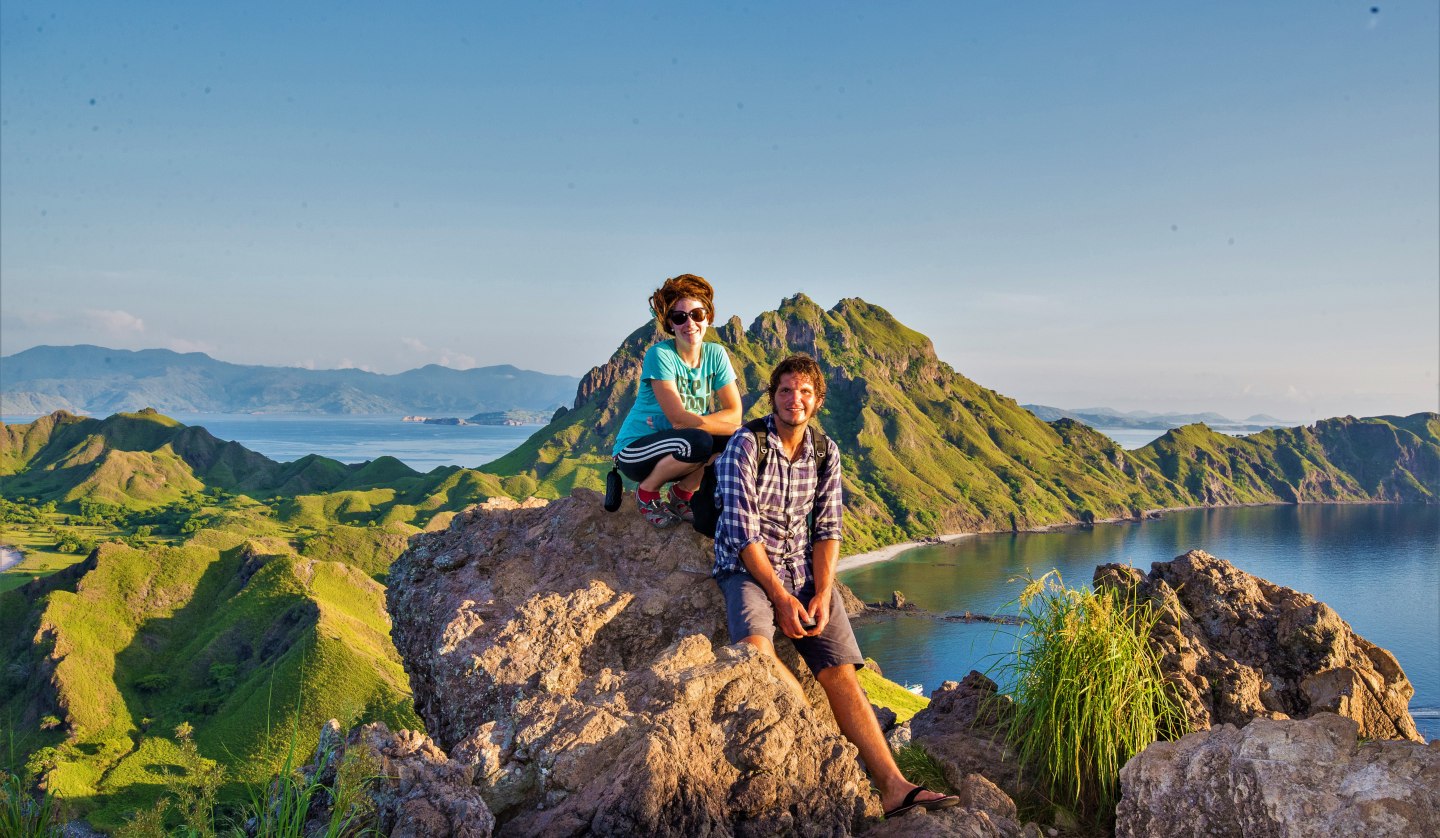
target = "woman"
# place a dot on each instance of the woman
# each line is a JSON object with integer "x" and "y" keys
{"x": 674, "y": 429}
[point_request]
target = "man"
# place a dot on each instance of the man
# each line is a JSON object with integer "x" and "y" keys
{"x": 776, "y": 569}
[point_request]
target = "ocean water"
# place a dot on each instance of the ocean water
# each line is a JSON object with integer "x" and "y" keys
{"x": 1377, "y": 565}
{"x": 356, "y": 439}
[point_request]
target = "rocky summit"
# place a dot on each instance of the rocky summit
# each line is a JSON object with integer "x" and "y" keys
{"x": 578, "y": 663}
{"x": 1240, "y": 648}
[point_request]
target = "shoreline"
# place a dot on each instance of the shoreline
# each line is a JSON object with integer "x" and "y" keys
{"x": 882, "y": 554}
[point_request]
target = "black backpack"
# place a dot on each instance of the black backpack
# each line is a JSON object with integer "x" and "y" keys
{"x": 707, "y": 508}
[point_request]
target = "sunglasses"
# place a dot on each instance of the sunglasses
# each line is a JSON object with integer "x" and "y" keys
{"x": 678, "y": 318}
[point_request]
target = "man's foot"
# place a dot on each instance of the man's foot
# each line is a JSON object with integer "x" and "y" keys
{"x": 657, "y": 513}
{"x": 681, "y": 507}
{"x": 923, "y": 798}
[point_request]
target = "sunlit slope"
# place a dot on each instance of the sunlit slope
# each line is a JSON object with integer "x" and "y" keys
{"x": 927, "y": 451}
{"x": 146, "y": 460}
{"x": 230, "y": 639}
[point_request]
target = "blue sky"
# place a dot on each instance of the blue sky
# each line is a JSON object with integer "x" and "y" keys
{"x": 1216, "y": 206}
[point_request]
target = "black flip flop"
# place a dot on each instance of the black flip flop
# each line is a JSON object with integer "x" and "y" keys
{"x": 928, "y": 805}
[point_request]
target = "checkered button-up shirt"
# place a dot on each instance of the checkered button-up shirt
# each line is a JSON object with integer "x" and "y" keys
{"x": 773, "y": 508}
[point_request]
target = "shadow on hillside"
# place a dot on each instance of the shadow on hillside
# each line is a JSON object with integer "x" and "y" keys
{"x": 186, "y": 666}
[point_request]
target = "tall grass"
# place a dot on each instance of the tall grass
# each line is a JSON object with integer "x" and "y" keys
{"x": 1088, "y": 694}
{"x": 23, "y": 816}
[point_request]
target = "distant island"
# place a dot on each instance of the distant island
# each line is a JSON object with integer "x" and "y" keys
{"x": 101, "y": 381}
{"x": 511, "y": 418}
{"x": 1106, "y": 417}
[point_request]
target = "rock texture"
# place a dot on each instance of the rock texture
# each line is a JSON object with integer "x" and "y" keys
{"x": 1281, "y": 778}
{"x": 962, "y": 730}
{"x": 578, "y": 662}
{"x": 417, "y": 791}
{"x": 1240, "y": 648}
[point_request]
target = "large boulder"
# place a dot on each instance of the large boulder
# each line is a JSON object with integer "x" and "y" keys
{"x": 1239, "y": 648}
{"x": 578, "y": 662}
{"x": 415, "y": 790}
{"x": 1291, "y": 778}
{"x": 963, "y": 730}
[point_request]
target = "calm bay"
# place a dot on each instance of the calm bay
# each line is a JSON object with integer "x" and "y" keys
{"x": 1377, "y": 565}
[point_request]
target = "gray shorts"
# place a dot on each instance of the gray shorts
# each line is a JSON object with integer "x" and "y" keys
{"x": 748, "y": 612}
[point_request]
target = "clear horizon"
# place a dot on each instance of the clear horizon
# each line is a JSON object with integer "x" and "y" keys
{"x": 1223, "y": 208}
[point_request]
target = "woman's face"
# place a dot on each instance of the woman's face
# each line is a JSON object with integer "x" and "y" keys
{"x": 689, "y": 330}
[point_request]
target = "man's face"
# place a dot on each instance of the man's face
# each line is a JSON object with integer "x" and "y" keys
{"x": 795, "y": 400}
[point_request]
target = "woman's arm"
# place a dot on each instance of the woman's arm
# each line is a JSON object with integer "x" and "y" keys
{"x": 720, "y": 423}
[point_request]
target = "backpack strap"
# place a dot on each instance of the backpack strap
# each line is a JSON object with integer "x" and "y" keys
{"x": 817, "y": 439}
{"x": 762, "y": 441}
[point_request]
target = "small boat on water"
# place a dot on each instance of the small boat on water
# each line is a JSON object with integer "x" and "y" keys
{"x": 918, "y": 689}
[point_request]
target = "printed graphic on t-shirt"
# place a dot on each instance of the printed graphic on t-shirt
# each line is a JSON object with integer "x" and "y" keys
{"x": 690, "y": 393}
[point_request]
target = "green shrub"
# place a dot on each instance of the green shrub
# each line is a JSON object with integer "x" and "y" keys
{"x": 922, "y": 769}
{"x": 1088, "y": 694}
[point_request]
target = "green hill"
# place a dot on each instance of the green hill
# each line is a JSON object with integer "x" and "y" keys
{"x": 146, "y": 461}
{"x": 245, "y": 592}
{"x": 228, "y": 639}
{"x": 928, "y": 451}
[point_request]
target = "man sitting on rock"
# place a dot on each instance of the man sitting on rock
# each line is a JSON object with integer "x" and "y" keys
{"x": 776, "y": 567}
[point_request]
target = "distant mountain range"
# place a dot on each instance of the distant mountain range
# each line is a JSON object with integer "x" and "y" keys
{"x": 1105, "y": 417}
{"x": 93, "y": 379}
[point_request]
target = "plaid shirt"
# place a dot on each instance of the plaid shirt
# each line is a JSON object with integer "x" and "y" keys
{"x": 774, "y": 510}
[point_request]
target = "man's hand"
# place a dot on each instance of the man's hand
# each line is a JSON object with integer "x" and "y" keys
{"x": 789, "y": 614}
{"x": 820, "y": 613}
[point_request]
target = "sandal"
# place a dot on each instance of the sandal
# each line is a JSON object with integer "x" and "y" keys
{"x": 928, "y": 805}
{"x": 657, "y": 513}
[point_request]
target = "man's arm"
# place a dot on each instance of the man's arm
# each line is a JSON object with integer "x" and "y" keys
{"x": 825, "y": 557}
{"x": 789, "y": 612}
{"x": 825, "y": 550}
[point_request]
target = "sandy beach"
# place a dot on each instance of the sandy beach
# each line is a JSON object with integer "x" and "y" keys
{"x": 890, "y": 552}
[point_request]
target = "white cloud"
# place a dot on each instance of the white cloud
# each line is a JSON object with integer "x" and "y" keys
{"x": 114, "y": 322}
{"x": 457, "y": 360}
{"x": 415, "y": 345}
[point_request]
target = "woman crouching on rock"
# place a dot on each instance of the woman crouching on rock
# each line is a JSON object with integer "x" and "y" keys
{"x": 674, "y": 429}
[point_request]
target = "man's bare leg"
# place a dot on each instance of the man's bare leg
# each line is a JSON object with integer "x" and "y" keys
{"x": 761, "y": 642}
{"x": 857, "y": 721}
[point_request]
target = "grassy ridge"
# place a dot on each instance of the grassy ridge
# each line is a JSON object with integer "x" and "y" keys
{"x": 927, "y": 451}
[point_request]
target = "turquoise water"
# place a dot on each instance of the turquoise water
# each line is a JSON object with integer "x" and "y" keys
{"x": 1377, "y": 565}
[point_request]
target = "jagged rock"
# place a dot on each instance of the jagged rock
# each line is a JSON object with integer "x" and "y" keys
{"x": 416, "y": 790}
{"x": 885, "y": 716}
{"x": 1296, "y": 778}
{"x": 577, "y": 660}
{"x": 1239, "y": 648}
{"x": 984, "y": 812}
{"x": 962, "y": 730}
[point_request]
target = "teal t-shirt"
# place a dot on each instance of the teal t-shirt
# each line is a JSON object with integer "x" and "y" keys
{"x": 696, "y": 385}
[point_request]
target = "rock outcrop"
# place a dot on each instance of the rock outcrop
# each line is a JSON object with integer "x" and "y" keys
{"x": 417, "y": 792}
{"x": 1240, "y": 648}
{"x": 578, "y": 662}
{"x": 963, "y": 730}
{"x": 1295, "y": 778}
